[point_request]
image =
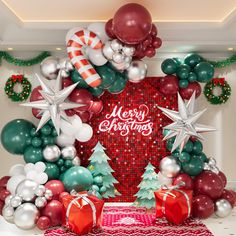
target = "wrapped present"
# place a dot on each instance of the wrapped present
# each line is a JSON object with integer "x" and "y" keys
{"x": 174, "y": 204}
{"x": 82, "y": 212}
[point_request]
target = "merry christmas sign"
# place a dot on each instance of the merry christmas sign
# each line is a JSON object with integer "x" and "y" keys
{"x": 130, "y": 128}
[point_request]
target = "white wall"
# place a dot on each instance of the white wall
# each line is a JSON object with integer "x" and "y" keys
{"x": 219, "y": 145}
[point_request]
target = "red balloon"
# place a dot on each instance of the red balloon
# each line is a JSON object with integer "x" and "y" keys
{"x": 56, "y": 186}
{"x": 2, "y": 203}
{"x": 169, "y": 85}
{"x": 150, "y": 52}
{"x": 3, "y": 181}
{"x": 132, "y": 23}
{"x": 53, "y": 210}
{"x": 70, "y": 112}
{"x": 156, "y": 42}
{"x": 139, "y": 52}
{"x": 62, "y": 195}
{"x": 210, "y": 184}
{"x": 186, "y": 93}
{"x": 202, "y": 207}
{"x": 109, "y": 29}
{"x": 96, "y": 107}
{"x": 223, "y": 178}
{"x": 188, "y": 181}
{"x": 147, "y": 42}
{"x": 43, "y": 223}
{"x": 85, "y": 116}
{"x": 3, "y": 194}
{"x": 66, "y": 82}
{"x": 229, "y": 196}
{"x": 154, "y": 31}
{"x": 81, "y": 96}
{"x": 36, "y": 96}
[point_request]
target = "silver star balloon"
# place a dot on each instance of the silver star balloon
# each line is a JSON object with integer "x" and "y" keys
{"x": 184, "y": 125}
{"x": 54, "y": 104}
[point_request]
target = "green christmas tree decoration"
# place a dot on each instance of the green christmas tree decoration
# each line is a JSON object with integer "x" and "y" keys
{"x": 147, "y": 187}
{"x": 102, "y": 173}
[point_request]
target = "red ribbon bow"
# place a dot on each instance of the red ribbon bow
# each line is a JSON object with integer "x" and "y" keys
{"x": 218, "y": 81}
{"x": 17, "y": 78}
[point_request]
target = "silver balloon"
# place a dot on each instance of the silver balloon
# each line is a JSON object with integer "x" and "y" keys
{"x": 40, "y": 202}
{"x": 222, "y": 208}
{"x": 69, "y": 153}
{"x": 26, "y": 216}
{"x": 211, "y": 166}
{"x": 119, "y": 66}
{"x": 169, "y": 167}
{"x": 107, "y": 50}
{"x": 76, "y": 161}
{"x": 26, "y": 190}
{"x": 116, "y": 45}
{"x": 118, "y": 57}
{"x": 64, "y": 73}
{"x": 212, "y": 161}
{"x": 69, "y": 65}
{"x": 16, "y": 201}
{"x": 40, "y": 191}
{"x": 51, "y": 153}
{"x": 8, "y": 199}
{"x": 7, "y": 213}
{"x": 62, "y": 66}
{"x": 128, "y": 51}
{"x": 49, "y": 67}
{"x": 48, "y": 194}
{"x": 137, "y": 71}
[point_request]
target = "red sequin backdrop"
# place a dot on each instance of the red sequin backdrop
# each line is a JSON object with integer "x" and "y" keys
{"x": 131, "y": 153}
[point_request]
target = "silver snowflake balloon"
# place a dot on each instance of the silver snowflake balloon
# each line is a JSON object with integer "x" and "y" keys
{"x": 184, "y": 123}
{"x": 54, "y": 105}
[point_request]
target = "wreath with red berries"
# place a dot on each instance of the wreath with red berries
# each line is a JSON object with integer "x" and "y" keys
{"x": 25, "y": 88}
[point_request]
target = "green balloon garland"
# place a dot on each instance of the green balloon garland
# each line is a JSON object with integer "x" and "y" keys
{"x": 10, "y": 84}
{"x": 223, "y": 97}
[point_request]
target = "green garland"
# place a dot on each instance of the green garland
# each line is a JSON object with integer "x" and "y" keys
{"x": 26, "y": 88}
{"x": 21, "y": 62}
{"x": 226, "y": 91}
{"x": 222, "y": 63}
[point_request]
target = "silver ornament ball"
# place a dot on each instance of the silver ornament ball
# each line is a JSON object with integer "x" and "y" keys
{"x": 68, "y": 153}
{"x": 51, "y": 153}
{"x": 26, "y": 190}
{"x": 137, "y": 71}
{"x": 48, "y": 194}
{"x": 222, "y": 208}
{"x": 16, "y": 201}
{"x": 116, "y": 45}
{"x": 26, "y": 216}
{"x": 49, "y": 67}
{"x": 40, "y": 202}
{"x": 76, "y": 161}
{"x": 169, "y": 167}
{"x": 128, "y": 51}
{"x": 40, "y": 190}
{"x": 7, "y": 213}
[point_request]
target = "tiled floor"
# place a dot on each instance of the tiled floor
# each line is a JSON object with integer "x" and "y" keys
{"x": 218, "y": 226}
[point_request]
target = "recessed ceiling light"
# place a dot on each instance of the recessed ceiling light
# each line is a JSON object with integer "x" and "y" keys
{"x": 230, "y": 49}
{"x": 9, "y": 49}
{"x": 58, "y": 49}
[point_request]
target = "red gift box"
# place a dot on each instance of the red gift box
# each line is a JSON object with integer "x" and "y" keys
{"x": 82, "y": 212}
{"x": 174, "y": 204}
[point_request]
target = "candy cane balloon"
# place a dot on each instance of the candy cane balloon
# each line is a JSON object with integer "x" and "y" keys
{"x": 75, "y": 44}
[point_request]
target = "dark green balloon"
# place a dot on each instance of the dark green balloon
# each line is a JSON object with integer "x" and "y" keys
{"x": 175, "y": 154}
{"x": 192, "y": 77}
{"x": 165, "y": 132}
{"x": 54, "y": 132}
{"x": 63, "y": 169}
{"x": 204, "y": 72}
{"x": 192, "y": 59}
{"x": 119, "y": 85}
{"x": 28, "y": 141}
{"x": 98, "y": 91}
{"x": 183, "y": 83}
{"x": 33, "y": 154}
{"x": 77, "y": 178}
{"x": 197, "y": 147}
{"x": 169, "y": 66}
{"x": 46, "y": 130}
{"x": 75, "y": 77}
{"x": 107, "y": 74}
{"x": 14, "y": 135}
{"x": 184, "y": 157}
{"x": 183, "y": 71}
{"x": 60, "y": 162}
{"x": 203, "y": 157}
{"x": 33, "y": 132}
{"x": 169, "y": 145}
{"x": 68, "y": 164}
{"x": 52, "y": 171}
{"x": 47, "y": 140}
{"x": 36, "y": 142}
{"x": 188, "y": 147}
{"x": 193, "y": 167}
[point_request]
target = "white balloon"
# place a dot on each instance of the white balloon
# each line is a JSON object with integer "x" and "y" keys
{"x": 116, "y": 45}
{"x": 17, "y": 169}
{"x": 29, "y": 167}
{"x": 72, "y": 32}
{"x": 40, "y": 166}
{"x": 13, "y": 183}
{"x": 41, "y": 178}
{"x": 96, "y": 56}
{"x": 99, "y": 29}
{"x": 32, "y": 175}
{"x": 85, "y": 133}
{"x": 76, "y": 122}
{"x": 64, "y": 140}
{"x": 67, "y": 128}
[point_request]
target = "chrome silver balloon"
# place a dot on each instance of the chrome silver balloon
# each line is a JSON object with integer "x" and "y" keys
{"x": 137, "y": 71}
{"x": 7, "y": 213}
{"x": 68, "y": 153}
{"x": 40, "y": 202}
{"x": 8, "y": 199}
{"x": 107, "y": 50}
{"x": 118, "y": 57}
{"x": 51, "y": 153}
{"x": 222, "y": 208}
{"x": 26, "y": 190}
{"x": 119, "y": 66}
{"x": 40, "y": 191}
{"x": 16, "y": 201}
{"x": 169, "y": 167}
{"x": 49, "y": 67}
{"x": 116, "y": 45}
{"x": 128, "y": 51}
{"x": 26, "y": 216}
{"x": 76, "y": 161}
{"x": 48, "y": 194}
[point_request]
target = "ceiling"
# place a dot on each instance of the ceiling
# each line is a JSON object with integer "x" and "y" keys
{"x": 184, "y": 25}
